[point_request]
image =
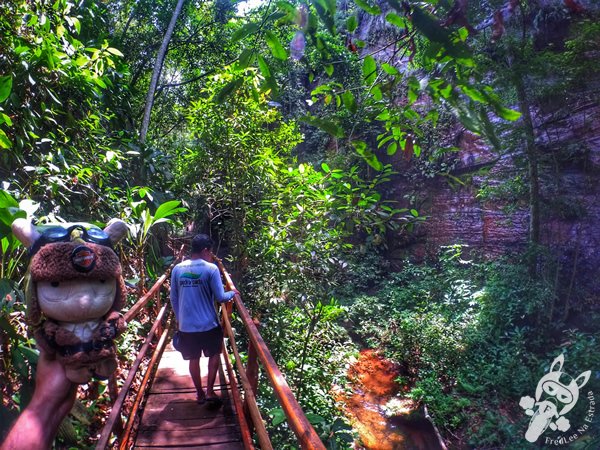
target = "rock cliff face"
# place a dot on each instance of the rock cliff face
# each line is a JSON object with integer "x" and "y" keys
{"x": 489, "y": 212}
{"x": 569, "y": 143}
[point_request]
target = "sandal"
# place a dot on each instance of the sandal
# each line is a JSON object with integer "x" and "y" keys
{"x": 201, "y": 399}
{"x": 214, "y": 402}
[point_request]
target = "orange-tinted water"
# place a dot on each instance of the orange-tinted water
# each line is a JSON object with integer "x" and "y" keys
{"x": 383, "y": 419}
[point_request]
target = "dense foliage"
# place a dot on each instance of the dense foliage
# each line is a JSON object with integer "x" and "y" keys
{"x": 474, "y": 338}
{"x": 303, "y": 136}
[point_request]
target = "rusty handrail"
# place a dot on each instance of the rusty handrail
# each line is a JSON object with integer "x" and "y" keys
{"x": 261, "y": 431}
{"x": 114, "y": 419}
{"x": 237, "y": 401}
{"x": 118, "y": 404}
{"x": 306, "y": 434}
{"x": 160, "y": 346}
{"x": 143, "y": 301}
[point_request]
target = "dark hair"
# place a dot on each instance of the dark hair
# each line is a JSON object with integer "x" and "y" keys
{"x": 200, "y": 242}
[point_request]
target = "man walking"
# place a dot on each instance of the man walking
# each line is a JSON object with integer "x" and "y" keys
{"x": 195, "y": 286}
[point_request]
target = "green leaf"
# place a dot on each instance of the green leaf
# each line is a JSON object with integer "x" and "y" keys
{"x": 278, "y": 416}
{"x": 7, "y": 327}
{"x": 392, "y": 148}
{"x": 351, "y": 24}
{"x": 4, "y": 140}
{"x": 29, "y": 354}
{"x": 325, "y": 167}
{"x": 373, "y": 10}
{"x": 349, "y": 101}
{"x": 314, "y": 418}
{"x": 390, "y": 70}
{"x": 277, "y": 49}
{"x": 5, "y": 87}
{"x": 227, "y": 90}
{"x": 326, "y": 11}
{"x": 264, "y": 67}
{"x": 244, "y": 31}
{"x": 395, "y": 19}
{"x": 114, "y": 51}
{"x": 168, "y": 209}
{"x": 19, "y": 363}
{"x": 245, "y": 57}
{"x": 429, "y": 27}
{"x": 368, "y": 155}
{"x": 474, "y": 94}
{"x": 329, "y": 69}
{"x": 76, "y": 24}
{"x": 331, "y": 128}
{"x": 376, "y": 92}
{"x": 325, "y": 125}
{"x": 507, "y": 113}
{"x": 369, "y": 69}
{"x": 488, "y": 129}
{"x": 7, "y": 200}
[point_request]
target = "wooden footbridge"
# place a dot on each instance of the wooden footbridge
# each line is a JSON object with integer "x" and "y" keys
{"x": 163, "y": 413}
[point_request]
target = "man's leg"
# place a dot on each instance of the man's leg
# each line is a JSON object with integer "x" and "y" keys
{"x": 52, "y": 400}
{"x": 213, "y": 367}
{"x": 196, "y": 377}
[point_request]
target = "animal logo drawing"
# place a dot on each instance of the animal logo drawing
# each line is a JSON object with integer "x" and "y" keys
{"x": 556, "y": 394}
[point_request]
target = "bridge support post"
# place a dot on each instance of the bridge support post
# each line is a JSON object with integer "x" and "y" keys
{"x": 113, "y": 393}
{"x": 252, "y": 374}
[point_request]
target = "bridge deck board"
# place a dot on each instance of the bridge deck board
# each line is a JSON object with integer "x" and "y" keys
{"x": 172, "y": 418}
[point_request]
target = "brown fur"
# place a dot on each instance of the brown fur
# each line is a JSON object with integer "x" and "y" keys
{"x": 53, "y": 263}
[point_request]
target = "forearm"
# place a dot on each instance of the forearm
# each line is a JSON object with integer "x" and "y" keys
{"x": 218, "y": 291}
{"x": 52, "y": 400}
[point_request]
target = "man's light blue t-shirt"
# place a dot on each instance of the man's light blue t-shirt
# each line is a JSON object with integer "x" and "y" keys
{"x": 195, "y": 286}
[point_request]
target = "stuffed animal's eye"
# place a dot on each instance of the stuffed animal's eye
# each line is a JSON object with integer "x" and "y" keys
{"x": 54, "y": 283}
{"x": 102, "y": 281}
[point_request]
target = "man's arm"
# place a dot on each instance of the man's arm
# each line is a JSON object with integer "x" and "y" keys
{"x": 218, "y": 291}
{"x": 175, "y": 293}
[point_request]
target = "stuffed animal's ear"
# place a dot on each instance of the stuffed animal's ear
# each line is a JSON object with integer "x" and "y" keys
{"x": 116, "y": 229}
{"x": 25, "y": 232}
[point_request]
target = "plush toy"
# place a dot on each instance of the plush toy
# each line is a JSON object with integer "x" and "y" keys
{"x": 74, "y": 293}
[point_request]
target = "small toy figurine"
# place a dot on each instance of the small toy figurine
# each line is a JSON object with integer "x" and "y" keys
{"x": 74, "y": 293}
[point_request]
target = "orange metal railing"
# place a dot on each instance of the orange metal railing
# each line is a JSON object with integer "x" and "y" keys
{"x": 114, "y": 423}
{"x": 258, "y": 351}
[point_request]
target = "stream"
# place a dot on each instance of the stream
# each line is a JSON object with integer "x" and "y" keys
{"x": 383, "y": 418}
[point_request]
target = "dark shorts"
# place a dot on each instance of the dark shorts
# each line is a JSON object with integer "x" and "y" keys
{"x": 192, "y": 345}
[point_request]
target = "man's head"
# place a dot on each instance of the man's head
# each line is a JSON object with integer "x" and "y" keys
{"x": 201, "y": 242}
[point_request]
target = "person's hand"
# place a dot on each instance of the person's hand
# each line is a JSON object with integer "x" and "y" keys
{"x": 52, "y": 385}
{"x": 52, "y": 400}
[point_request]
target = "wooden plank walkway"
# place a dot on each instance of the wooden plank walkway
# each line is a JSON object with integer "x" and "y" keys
{"x": 172, "y": 419}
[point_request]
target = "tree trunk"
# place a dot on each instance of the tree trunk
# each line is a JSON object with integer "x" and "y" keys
{"x": 534, "y": 180}
{"x": 160, "y": 58}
